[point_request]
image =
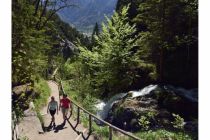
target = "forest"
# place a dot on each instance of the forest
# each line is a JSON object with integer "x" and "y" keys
{"x": 145, "y": 45}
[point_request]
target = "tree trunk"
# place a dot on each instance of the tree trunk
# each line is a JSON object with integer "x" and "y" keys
{"x": 161, "y": 65}
{"x": 36, "y": 7}
{"x": 42, "y": 14}
{"x": 163, "y": 41}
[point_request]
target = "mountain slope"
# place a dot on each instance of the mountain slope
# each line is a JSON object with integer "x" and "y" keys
{"x": 87, "y": 13}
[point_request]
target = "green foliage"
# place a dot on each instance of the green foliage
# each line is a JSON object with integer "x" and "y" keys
{"x": 144, "y": 122}
{"x": 36, "y": 41}
{"x": 84, "y": 99}
{"x": 113, "y": 64}
{"x": 38, "y": 94}
{"x": 40, "y": 117}
{"x": 95, "y": 33}
{"x": 89, "y": 103}
{"x": 36, "y": 50}
{"x": 164, "y": 134}
{"x": 18, "y": 113}
{"x": 178, "y": 121}
{"x": 29, "y": 45}
{"x": 169, "y": 35}
{"x": 20, "y": 102}
{"x": 100, "y": 131}
{"x": 23, "y": 138}
{"x": 43, "y": 92}
{"x": 151, "y": 115}
{"x": 154, "y": 39}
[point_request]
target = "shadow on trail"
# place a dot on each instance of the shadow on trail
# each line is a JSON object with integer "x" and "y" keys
{"x": 53, "y": 127}
{"x": 60, "y": 127}
{"x": 47, "y": 128}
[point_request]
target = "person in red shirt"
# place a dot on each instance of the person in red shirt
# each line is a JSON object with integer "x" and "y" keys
{"x": 65, "y": 104}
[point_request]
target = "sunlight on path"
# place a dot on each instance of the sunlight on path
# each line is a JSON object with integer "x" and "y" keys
{"x": 60, "y": 132}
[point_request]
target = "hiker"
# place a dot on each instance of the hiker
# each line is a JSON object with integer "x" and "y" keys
{"x": 65, "y": 104}
{"x": 52, "y": 107}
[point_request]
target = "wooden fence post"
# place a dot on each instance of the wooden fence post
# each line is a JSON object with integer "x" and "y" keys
{"x": 90, "y": 123}
{"x": 78, "y": 113}
{"x": 110, "y": 133}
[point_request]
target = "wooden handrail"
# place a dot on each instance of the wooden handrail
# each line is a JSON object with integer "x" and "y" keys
{"x": 94, "y": 116}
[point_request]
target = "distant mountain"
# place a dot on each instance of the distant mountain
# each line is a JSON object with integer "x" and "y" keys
{"x": 87, "y": 13}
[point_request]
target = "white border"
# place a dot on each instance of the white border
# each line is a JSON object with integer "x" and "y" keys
{"x": 5, "y": 69}
{"x": 204, "y": 69}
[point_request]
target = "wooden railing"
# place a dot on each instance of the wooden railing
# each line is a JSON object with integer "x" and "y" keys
{"x": 15, "y": 132}
{"x": 111, "y": 127}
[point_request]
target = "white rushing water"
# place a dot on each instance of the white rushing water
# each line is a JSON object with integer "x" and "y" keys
{"x": 100, "y": 105}
{"x": 104, "y": 107}
{"x": 143, "y": 91}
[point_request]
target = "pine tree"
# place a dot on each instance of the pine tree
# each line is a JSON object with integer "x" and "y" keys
{"x": 95, "y": 33}
{"x": 113, "y": 62}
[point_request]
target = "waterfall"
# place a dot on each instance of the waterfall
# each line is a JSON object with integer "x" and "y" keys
{"x": 100, "y": 105}
{"x": 143, "y": 91}
{"x": 104, "y": 107}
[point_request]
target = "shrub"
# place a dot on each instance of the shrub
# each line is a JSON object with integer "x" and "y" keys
{"x": 178, "y": 122}
{"x": 144, "y": 122}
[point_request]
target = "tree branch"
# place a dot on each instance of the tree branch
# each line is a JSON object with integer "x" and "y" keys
{"x": 54, "y": 12}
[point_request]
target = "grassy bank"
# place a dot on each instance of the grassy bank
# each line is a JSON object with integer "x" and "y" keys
{"x": 165, "y": 134}
{"x": 43, "y": 92}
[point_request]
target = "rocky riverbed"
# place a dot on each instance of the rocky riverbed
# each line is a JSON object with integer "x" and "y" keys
{"x": 157, "y": 104}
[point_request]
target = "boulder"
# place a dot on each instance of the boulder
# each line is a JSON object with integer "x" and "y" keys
{"x": 156, "y": 105}
{"x": 17, "y": 90}
{"x": 125, "y": 113}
